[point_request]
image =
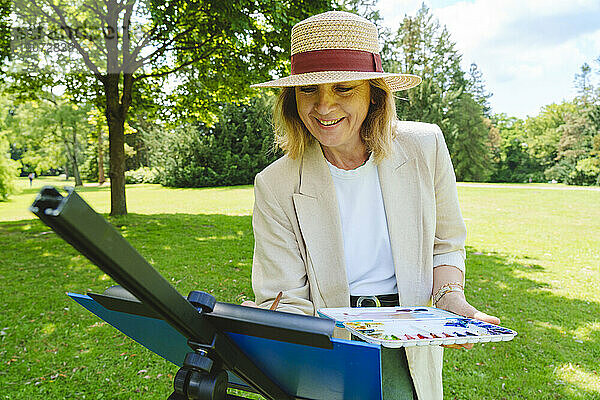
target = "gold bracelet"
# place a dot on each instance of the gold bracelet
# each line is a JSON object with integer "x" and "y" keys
{"x": 445, "y": 289}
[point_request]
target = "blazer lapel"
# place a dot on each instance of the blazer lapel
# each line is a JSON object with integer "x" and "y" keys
{"x": 318, "y": 217}
{"x": 400, "y": 187}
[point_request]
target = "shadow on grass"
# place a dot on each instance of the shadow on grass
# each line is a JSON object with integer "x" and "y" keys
{"x": 35, "y": 190}
{"x": 556, "y": 352}
{"x": 210, "y": 188}
{"x": 55, "y": 349}
{"x": 106, "y": 187}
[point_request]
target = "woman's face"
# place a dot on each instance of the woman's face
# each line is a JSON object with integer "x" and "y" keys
{"x": 334, "y": 112}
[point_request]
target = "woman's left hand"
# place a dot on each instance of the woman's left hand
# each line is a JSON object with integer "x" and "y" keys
{"x": 456, "y": 303}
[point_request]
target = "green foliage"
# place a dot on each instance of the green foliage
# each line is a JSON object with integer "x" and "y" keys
{"x": 584, "y": 85}
{"x": 513, "y": 163}
{"x": 586, "y": 172}
{"x": 448, "y": 97}
{"x": 549, "y": 146}
{"x": 214, "y": 48}
{"x": 49, "y": 133}
{"x": 5, "y": 36}
{"x": 236, "y": 44}
{"x": 9, "y": 170}
{"x": 561, "y": 137}
{"x": 142, "y": 175}
{"x": 476, "y": 87}
{"x": 231, "y": 152}
{"x": 89, "y": 166}
{"x": 471, "y": 151}
{"x": 208, "y": 67}
{"x": 542, "y": 133}
{"x": 5, "y": 6}
{"x": 558, "y": 145}
{"x": 422, "y": 47}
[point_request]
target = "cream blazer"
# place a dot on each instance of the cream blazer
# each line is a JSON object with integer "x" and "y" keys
{"x": 298, "y": 237}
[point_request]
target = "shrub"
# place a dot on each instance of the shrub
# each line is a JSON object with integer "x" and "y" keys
{"x": 586, "y": 172}
{"x": 142, "y": 175}
{"x": 231, "y": 152}
{"x": 9, "y": 170}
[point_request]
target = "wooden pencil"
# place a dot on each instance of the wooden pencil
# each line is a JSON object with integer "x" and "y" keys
{"x": 276, "y": 302}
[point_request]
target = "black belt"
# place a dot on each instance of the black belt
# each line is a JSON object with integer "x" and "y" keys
{"x": 382, "y": 300}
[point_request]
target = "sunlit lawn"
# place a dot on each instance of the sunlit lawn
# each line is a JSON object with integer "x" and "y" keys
{"x": 141, "y": 199}
{"x": 534, "y": 259}
{"x": 535, "y": 262}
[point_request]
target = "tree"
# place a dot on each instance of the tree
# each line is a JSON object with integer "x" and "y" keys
{"x": 422, "y": 47}
{"x": 447, "y": 96}
{"x": 231, "y": 152}
{"x": 584, "y": 85}
{"x": 543, "y": 135}
{"x": 4, "y": 32}
{"x": 513, "y": 163}
{"x": 123, "y": 42}
{"x": 94, "y": 162}
{"x": 471, "y": 161}
{"x": 9, "y": 169}
{"x": 476, "y": 86}
{"x": 367, "y": 9}
{"x": 50, "y": 133}
{"x": 97, "y": 135}
{"x": 27, "y": 142}
{"x": 576, "y": 149}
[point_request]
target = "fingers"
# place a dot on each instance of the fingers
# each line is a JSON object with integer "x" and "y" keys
{"x": 486, "y": 318}
{"x": 455, "y": 302}
{"x": 249, "y": 303}
{"x": 482, "y": 317}
{"x": 466, "y": 346}
{"x": 452, "y": 346}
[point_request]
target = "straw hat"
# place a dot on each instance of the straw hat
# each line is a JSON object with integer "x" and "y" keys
{"x": 337, "y": 46}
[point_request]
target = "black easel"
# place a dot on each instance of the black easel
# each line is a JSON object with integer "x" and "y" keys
{"x": 201, "y": 319}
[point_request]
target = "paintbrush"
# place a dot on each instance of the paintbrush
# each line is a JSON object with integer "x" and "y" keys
{"x": 276, "y": 302}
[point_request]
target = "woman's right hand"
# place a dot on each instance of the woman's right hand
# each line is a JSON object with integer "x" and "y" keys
{"x": 249, "y": 303}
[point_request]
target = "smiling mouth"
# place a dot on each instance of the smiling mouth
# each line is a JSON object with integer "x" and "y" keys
{"x": 329, "y": 122}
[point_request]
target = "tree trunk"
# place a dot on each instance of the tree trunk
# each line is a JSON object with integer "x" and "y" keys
{"x": 73, "y": 161}
{"x": 71, "y": 151}
{"x": 74, "y": 157}
{"x": 116, "y": 150}
{"x": 101, "y": 177}
{"x": 115, "y": 118}
{"x": 116, "y": 172}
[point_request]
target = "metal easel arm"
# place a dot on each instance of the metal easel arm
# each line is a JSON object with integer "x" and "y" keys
{"x": 88, "y": 232}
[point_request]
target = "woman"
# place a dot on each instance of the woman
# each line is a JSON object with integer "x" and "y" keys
{"x": 362, "y": 207}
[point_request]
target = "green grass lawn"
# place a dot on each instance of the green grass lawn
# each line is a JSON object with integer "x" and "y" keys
{"x": 141, "y": 199}
{"x": 534, "y": 259}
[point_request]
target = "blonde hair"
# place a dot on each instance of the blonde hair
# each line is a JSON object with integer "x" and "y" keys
{"x": 377, "y": 131}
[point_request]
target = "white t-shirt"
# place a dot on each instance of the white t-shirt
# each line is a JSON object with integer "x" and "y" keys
{"x": 367, "y": 249}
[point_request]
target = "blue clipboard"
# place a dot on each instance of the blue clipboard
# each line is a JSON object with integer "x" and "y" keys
{"x": 351, "y": 370}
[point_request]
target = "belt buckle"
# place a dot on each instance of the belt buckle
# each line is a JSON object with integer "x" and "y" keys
{"x": 374, "y": 299}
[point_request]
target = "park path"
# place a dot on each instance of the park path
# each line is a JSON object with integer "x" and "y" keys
{"x": 491, "y": 185}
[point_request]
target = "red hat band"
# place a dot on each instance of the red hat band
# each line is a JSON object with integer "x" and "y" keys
{"x": 336, "y": 60}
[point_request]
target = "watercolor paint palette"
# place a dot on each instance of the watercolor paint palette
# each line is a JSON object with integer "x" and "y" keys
{"x": 414, "y": 326}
